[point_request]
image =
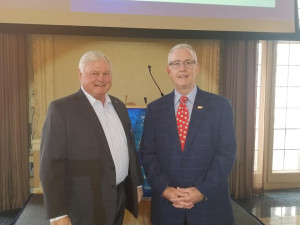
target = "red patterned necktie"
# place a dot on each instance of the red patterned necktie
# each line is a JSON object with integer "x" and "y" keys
{"x": 182, "y": 120}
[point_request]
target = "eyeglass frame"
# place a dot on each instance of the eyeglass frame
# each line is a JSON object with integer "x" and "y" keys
{"x": 187, "y": 63}
{"x": 97, "y": 74}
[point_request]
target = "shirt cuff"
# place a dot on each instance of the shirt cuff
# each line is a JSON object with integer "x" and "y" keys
{"x": 57, "y": 218}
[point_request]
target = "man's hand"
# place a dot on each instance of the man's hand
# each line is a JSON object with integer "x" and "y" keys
{"x": 193, "y": 196}
{"x": 178, "y": 198}
{"x": 63, "y": 221}
{"x": 171, "y": 193}
{"x": 183, "y": 197}
{"x": 139, "y": 193}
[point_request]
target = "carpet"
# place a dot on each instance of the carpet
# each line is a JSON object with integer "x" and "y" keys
{"x": 34, "y": 213}
{"x": 8, "y": 216}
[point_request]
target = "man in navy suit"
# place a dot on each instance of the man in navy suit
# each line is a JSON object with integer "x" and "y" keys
{"x": 188, "y": 172}
{"x": 89, "y": 167}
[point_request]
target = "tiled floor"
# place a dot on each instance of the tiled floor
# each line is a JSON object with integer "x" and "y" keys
{"x": 275, "y": 207}
{"x": 282, "y": 220}
{"x": 272, "y": 208}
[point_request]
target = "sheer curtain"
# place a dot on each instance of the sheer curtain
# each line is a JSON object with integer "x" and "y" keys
{"x": 237, "y": 82}
{"x": 266, "y": 114}
{"x": 14, "y": 149}
{"x": 208, "y": 53}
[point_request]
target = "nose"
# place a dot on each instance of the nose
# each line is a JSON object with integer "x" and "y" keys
{"x": 100, "y": 77}
{"x": 182, "y": 65}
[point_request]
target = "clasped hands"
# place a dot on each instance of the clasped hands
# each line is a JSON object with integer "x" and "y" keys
{"x": 183, "y": 197}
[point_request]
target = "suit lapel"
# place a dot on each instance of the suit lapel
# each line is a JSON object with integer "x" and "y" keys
{"x": 118, "y": 106}
{"x": 94, "y": 122}
{"x": 198, "y": 114}
{"x": 170, "y": 118}
{"x": 123, "y": 115}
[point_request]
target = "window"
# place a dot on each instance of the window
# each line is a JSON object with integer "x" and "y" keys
{"x": 286, "y": 133}
{"x": 277, "y": 148}
{"x": 277, "y": 139}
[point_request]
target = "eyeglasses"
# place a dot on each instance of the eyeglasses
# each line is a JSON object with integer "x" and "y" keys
{"x": 187, "y": 63}
{"x": 97, "y": 74}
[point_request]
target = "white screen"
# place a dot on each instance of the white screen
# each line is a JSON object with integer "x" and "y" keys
{"x": 209, "y": 15}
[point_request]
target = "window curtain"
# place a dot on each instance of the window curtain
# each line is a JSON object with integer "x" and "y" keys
{"x": 14, "y": 139}
{"x": 237, "y": 82}
{"x": 208, "y": 54}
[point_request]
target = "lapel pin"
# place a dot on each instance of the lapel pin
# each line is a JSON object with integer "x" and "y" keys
{"x": 199, "y": 107}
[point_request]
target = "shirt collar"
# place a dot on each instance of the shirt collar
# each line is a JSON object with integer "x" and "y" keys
{"x": 191, "y": 96}
{"x": 92, "y": 100}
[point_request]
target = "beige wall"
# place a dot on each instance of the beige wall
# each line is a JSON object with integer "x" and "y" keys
{"x": 54, "y": 58}
{"x": 130, "y": 58}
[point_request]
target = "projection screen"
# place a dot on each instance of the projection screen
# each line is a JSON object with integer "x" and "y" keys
{"x": 206, "y": 15}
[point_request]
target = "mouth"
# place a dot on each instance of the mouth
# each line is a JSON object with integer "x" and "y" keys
{"x": 183, "y": 76}
{"x": 99, "y": 85}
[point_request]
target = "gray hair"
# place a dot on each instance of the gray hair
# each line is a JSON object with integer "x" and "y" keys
{"x": 183, "y": 45}
{"x": 91, "y": 56}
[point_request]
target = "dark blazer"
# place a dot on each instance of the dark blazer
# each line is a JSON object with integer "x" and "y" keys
{"x": 205, "y": 162}
{"x": 76, "y": 167}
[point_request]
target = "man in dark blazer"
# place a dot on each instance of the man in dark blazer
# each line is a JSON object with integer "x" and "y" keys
{"x": 188, "y": 173}
{"x": 89, "y": 168}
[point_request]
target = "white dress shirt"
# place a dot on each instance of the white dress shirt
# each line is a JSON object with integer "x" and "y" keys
{"x": 114, "y": 133}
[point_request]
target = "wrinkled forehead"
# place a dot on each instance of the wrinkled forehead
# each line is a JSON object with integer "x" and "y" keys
{"x": 91, "y": 57}
{"x": 98, "y": 64}
{"x": 181, "y": 54}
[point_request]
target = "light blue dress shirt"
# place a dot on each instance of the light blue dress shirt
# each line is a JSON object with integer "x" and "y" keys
{"x": 189, "y": 103}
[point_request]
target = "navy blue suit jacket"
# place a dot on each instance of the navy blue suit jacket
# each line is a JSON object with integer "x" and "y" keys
{"x": 205, "y": 162}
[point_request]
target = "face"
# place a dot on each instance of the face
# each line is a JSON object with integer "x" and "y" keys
{"x": 183, "y": 77}
{"x": 96, "y": 78}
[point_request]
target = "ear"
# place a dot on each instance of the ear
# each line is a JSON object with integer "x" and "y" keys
{"x": 197, "y": 68}
{"x": 168, "y": 70}
{"x": 79, "y": 74}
